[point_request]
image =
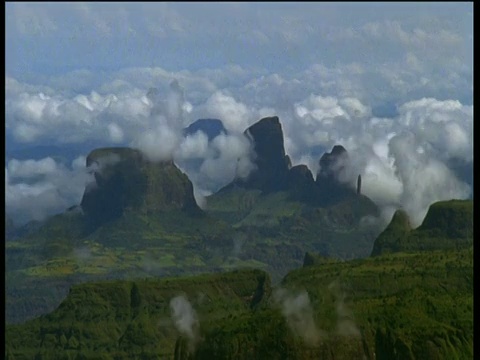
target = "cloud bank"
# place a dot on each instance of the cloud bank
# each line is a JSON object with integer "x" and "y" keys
{"x": 35, "y": 190}
{"x": 405, "y": 159}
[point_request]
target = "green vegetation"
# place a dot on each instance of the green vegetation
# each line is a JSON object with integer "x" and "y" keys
{"x": 403, "y": 305}
{"x": 132, "y": 319}
{"x": 448, "y": 224}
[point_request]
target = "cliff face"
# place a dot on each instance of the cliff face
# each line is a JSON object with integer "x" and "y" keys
{"x": 301, "y": 184}
{"x": 126, "y": 180}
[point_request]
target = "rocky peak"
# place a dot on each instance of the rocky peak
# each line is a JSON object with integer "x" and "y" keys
{"x": 272, "y": 163}
{"x": 301, "y": 183}
{"x": 331, "y": 176}
{"x": 332, "y": 164}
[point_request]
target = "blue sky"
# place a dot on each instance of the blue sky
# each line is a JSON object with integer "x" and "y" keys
{"x": 380, "y": 78}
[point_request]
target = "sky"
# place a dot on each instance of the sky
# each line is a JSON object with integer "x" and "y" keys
{"x": 391, "y": 82}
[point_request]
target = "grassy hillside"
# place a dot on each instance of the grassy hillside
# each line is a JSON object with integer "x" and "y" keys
{"x": 394, "y": 306}
{"x": 277, "y": 223}
{"x": 447, "y": 225}
{"x": 141, "y": 220}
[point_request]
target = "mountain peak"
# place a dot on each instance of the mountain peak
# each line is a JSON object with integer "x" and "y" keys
{"x": 332, "y": 175}
{"x": 272, "y": 164}
{"x": 333, "y": 163}
{"x": 211, "y": 127}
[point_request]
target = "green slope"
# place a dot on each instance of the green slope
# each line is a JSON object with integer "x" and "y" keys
{"x": 41, "y": 268}
{"x": 133, "y": 320}
{"x": 141, "y": 220}
{"x": 279, "y": 228}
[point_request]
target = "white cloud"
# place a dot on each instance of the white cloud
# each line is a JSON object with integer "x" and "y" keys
{"x": 235, "y": 115}
{"x": 425, "y": 180}
{"x": 29, "y": 168}
{"x": 35, "y": 190}
{"x": 447, "y": 126}
{"x": 227, "y": 157}
{"x": 115, "y": 133}
{"x": 161, "y": 139}
{"x": 193, "y": 146}
{"x": 35, "y": 116}
{"x": 185, "y": 318}
{"x": 298, "y": 312}
{"x": 317, "y": 107}
{"x": 397, "y": 171}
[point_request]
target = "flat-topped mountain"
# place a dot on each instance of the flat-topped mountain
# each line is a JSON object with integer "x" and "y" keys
{"x": 126, "y": 180}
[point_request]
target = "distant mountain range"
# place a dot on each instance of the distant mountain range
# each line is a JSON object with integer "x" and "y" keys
{"x": 211, "y": 127}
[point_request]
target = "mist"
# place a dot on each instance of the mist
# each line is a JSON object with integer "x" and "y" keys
{"x": 185, "y": 318}
{"x": 35, "y": 190}
{"x": 345, "y": 320}
{"x": 298, "y": 312}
